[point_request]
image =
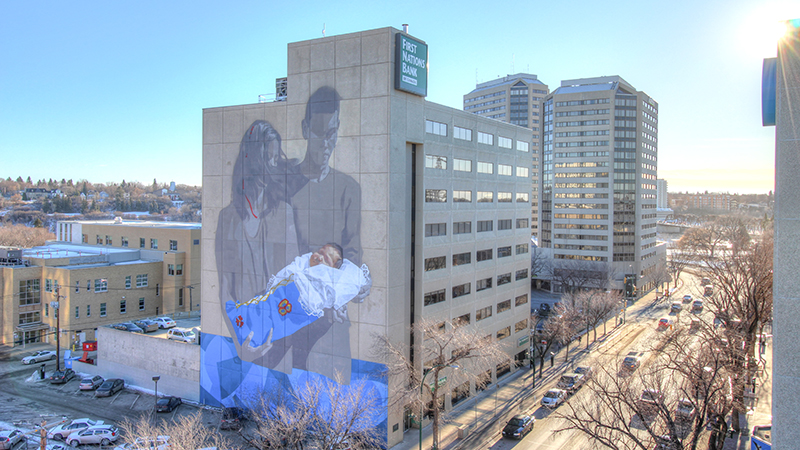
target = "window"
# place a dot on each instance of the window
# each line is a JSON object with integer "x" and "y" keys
{"x": 480, "y": 285}
{"x": 180, "y": 297}
{"x": 504, "y": 333}
{"x": 503, "y": 142}
{"x": 504, "y": 169}
{"x": 485, "y": 196}
{"x": 88, "y": 310}
{"x": 435, "y": 263}
{"x": 483, "y": 255}
{"x": 48, "y": 285}
{"x": 462, "y": 320}
{"x": 435, "y": 195}
{"x": 123, "y": 308}
{"x": 462, "y": 133}
{"x": 462, "y": 227}
{"x": 141, "y": 280}
{"x": 462, "y": 165}
{"x": 435, "y": 229}
{"x": 485, "y": 138}
{"x": 522, "y": 172}
{"x": 102, "y": 309}
{"x": 485, "y": 225}
{"x": 504, "y": 279}
{"x": 101, "y": 285}
{"x": 123, "y": 241}
{"x": 461, "y": 259}
{"x": 435, "y": 162}
{"x": 502, "y": 252}
{"x": 170, "y": 269}
{"x": 98, "y": 239}
{"x": 154, "y": 243}
{"x": 177, "y": 269}
{"x": 432, "y": 298}
{"x": 483, "y": 313}
{"x": 521, "y": 300}
{"x": 141, "y": 301}
{"x": 522, "y": 197}
{"x": 504, "y": 197}
{"x": 173, "y": 245}
{"x": 485, "y": 167}
{"x": 77, "y": 312}
{"x": 462, "y": 196}
{"x": 108, "y": 240}
{"x": 436, "y": 128}
{"x": 522, "y": 146}
{"x": 84, "y": 239}
{"x": 522, "y": 248}
{"x": 522, "y": 223}
{"x": 521, "y": 325}
{"x": 128, "y": 282}
{"x": 141, "y": 242}
{"x": 30, "y": 317}
{"x": 461, "y": 289}
{"x": 504, "y": 224}
{"x": 522, "y": 274}
{"x": 503, "y": 306}
{"x": 196, "y": 242}
{"x": 77, "y": 286}
{"x": 46, "y": 310}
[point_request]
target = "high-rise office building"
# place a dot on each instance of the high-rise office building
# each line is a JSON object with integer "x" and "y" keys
{"x": 514, "y": 99}
{"x": 598, "y": 180}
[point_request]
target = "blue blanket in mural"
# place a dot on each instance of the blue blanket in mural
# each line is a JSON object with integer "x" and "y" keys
{"x": 278, "y": 311}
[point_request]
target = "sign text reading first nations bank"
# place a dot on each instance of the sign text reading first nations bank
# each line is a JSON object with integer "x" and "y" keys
{"x": 411, "y": 71}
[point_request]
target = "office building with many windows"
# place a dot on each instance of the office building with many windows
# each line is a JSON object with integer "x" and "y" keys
{"x": 598, "y": 179}
{"x": 515, "y": 99}
{"x": 429, "y": 204}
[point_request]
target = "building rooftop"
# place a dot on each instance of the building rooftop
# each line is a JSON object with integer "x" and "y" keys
{"x": 143, "y": 223}
{"x": 508, "y": 79}
{"x": 59, "y": 249}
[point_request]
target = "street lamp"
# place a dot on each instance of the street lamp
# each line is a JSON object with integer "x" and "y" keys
{"x": 155, "y": 380}
{"x": 422, "y": 405}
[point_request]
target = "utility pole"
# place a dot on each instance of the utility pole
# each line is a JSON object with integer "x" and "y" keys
{"x": 55, "y": 306}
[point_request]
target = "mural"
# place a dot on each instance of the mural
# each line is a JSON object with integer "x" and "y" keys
{"x": 288, "y": 251}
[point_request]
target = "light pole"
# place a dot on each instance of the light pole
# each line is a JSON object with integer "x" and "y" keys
{"x": 155, "y": 380}
{"x": 421, "y": 386}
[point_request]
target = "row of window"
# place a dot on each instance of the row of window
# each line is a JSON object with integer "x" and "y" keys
{"x": 438, "y": 296}
{"x": 465, "y": 165}
{"x": 108, "y": 240}
{"x": 440, "y": 229}
{"x": 460, "y": 259}
{"x": 440, "y": 196}
{"x": 440, "y": 129}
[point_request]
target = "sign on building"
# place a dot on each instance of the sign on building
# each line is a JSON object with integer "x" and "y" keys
{"x": 411, "y": 65}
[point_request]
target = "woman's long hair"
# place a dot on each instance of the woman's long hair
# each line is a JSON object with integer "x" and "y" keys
{"x": 260, "y": 169}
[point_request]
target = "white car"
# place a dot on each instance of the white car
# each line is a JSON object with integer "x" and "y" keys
{"x": 183, "y": 335}
{"x": 61, "y": 432}
{"x": 99, "y": 434}
{"x": 165, "y": 322}
{"x": 554, "y": 397}
{"x": 42, "y": 355}
{"x": 147, "y": 443}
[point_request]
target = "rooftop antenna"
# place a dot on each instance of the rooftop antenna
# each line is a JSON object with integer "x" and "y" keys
{"x": 405, "y": 28}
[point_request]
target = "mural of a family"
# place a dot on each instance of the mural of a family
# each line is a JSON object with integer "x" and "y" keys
{"x": 288, "y": 253}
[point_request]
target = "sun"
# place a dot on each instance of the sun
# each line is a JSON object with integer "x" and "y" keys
{"x": 763, "y": 26}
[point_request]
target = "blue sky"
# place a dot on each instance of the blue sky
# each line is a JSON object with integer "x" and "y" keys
{"x": 106, "y": 91}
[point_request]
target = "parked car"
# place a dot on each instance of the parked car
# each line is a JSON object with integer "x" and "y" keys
{"x": 109, "y": 387}
{"x": 633, "y": 360}
{"x": 37, "y": 357}
{"x": 649, "y": 401}
{"x": 586, "y": 371}
{"x": 62, "y": 376}
{"x": 677, "y": 306}
{"x": 146, "y": 443}
{"x": 146, "y": 325}
{"x": 61, "y": 432}
{"x": 685, "y": 410}
{"x": 127, "y": 326}
{"x": 518, "y": 426}
{"x": 98, "y": 434}
{"x": 91, "y": 383}
{"x": 544, "y": 309}
{"x": 697, "y": 306}
{"x": 687, "y": 298}
{"x": 167, "y": 404}
{"x": 695, "y": 324}
{"x": 10, "y": 438}
{"x": 665, "y": 323}
{"x": 571, "y": 382}
{"x": 233, "y": 418}
{"x": 182, "y": 335}
{"x": 554, "y": 397}
{"x": 165, "y": 322}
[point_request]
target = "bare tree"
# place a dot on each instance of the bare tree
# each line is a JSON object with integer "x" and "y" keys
{"x": 464, "y": 353}
{"x": 594, "y": 308}
{"x": 22, "y": 236}
{"x": 660, "y": 274}
{"x": 185, "y": 432}
{"x": 679, "y": 259}
{"x": 574, "y": 274}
